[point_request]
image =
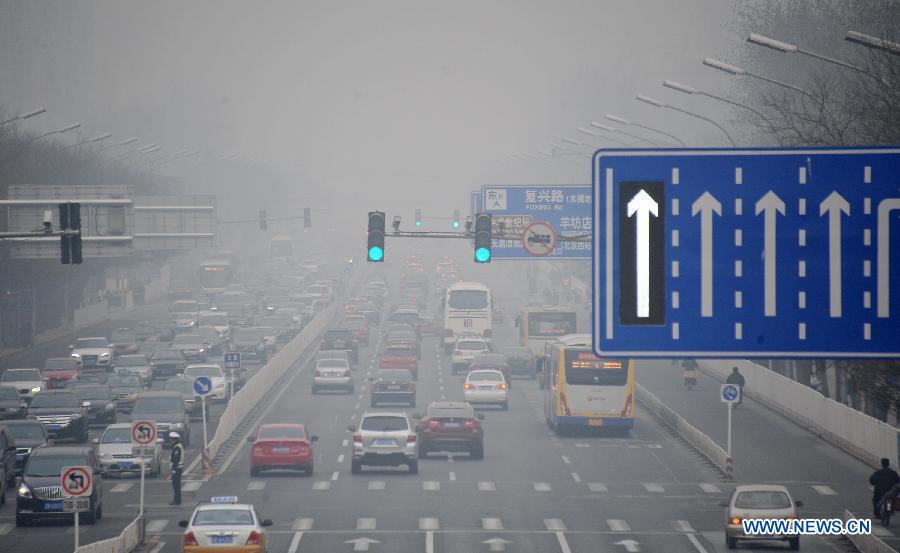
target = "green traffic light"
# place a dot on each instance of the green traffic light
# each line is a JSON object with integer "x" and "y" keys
{"x": 482, "y": 255}
{"x": 418, "y": 223}
{"x": 455, "y": 224}
{"x": 376, "y": 253}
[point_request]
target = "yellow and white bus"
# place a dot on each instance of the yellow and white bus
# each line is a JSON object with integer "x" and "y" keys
{"x": 583, "y": 390}
{"x": 540, "y": 325}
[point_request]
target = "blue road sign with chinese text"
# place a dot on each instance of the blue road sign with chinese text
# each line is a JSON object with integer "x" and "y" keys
{"x": 747, "y": 253}
{"x": 232, "y": 360}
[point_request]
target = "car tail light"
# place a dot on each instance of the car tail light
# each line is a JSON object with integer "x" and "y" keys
{"x": 357, "y": 438}
{"x": 411, "y": 439}
{"x": 257, "y": 449}
{"x": 469, "y": 386}
{"x": 501, "y": 386}
{"x": 189, "y": 539}
{"x": 253, "y": 539}
{"x": 734, "y": 521}
{"x": 470, "y": 424}
{"x": 433, "y": 424}
{"x": 376, "y": 387}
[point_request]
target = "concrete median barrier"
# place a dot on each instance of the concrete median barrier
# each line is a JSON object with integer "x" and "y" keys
{"x": 130, "y": 538}
{"x": 867, "y": 543}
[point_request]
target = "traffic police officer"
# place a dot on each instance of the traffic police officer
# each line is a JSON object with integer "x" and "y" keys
{"x": 176, "y": 458}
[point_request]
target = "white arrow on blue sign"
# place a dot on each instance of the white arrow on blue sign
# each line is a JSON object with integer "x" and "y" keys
{"x": 746, "y": 253}
{"x": 731, "y": 393}
{"x": 202, "y": 385}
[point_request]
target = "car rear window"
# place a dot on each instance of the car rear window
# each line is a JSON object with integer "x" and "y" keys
{"x": 332, "y": 363}
{"x": 488, "y": 376}
{"x": 223, "y": 517}
{"x": 762, "y": 500}
{"x": 451, "y": 412}
{"x": 194, "y": 372}
{"x": 472, "y": 345}
{"x": 395, "y": 374}
{"x": 384, "y": 423}
{"x": 280, "y": 432}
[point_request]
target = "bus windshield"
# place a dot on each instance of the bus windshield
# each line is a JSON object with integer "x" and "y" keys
{"x": 468, "y": 299}
{"x": 551, "y": 324}
{"x": 585, "y": 368}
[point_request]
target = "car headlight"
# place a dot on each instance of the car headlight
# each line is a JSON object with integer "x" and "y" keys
{"x": 104, "y": 354}
{"x": 24, "y": 491}
{"x": 109, "y": 407}
{"x": 106, "y": 456}
{"x": 36, "y": 389}
{"x": 76, "y": 354}
{"x": 200, "y": 350}
{"x": 179, "y": 425}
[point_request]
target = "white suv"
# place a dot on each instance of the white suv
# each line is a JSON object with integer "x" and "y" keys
{"x": 216, "y": 377}
{"x": 465, "y": 351}
{"x": 384, "y": 439}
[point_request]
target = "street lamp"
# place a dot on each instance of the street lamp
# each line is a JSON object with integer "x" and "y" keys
{"x": 788, "y": 48}
{"x": 125, "y": 142}
{"x": 739, "y": 71}
{"x": 631, "y": 123}
{"x": 26, "y": 115}
{"x": 57, "y": 131}
{"x": 691, "y": 90}
{"x": 608, "y": 128}
{"x": 870, "y": 41}
{"x": 98, "y": 138}
{"x": 661, "y": 104}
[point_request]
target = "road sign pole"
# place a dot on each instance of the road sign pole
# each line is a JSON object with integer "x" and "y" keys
{"x": 141, "y": 506}
{"x": 76, "y": 531}
{"x": 205, "y": 441}
{"x": 730, "y": 408}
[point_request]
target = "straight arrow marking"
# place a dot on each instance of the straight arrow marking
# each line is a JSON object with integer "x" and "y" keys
{"x": 631, "y": 546}
{"x": 706, "y": 205}
{"x": 884, "y": 255}
{"x": 834, "y": 205}
{"x": 770, "y": 204}
{"x": 643, "y": 205}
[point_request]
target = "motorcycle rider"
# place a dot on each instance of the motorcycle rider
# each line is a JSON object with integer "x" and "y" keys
{"x": 882, "y": 481}
{"x": 737, "y": 379}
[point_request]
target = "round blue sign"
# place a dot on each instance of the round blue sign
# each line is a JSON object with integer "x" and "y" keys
{"x": 730, "y": 392}
{"x": 202, "y": 385}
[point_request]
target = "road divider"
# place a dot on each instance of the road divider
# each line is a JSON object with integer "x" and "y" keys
{"x": 697, "y": 439}
{"x": 864, "y": 437}
{"x": 866, "y": 543}
{"x": 130, "y": 538}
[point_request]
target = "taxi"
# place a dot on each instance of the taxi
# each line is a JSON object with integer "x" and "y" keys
{"x": 224, "y": 526}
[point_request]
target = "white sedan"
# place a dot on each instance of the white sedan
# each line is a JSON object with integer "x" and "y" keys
{"x": 486, "y": 387}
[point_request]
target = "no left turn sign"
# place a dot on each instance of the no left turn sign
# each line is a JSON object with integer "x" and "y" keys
{"x": 76, "y": 481}
{"x": 143, "y": 432}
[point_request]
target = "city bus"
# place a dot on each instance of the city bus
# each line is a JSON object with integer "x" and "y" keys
{"x": 467, "y": 312}
{"x": 583, "y": 390}
{"x": 216, "y": 274}
{"x": 540, "y": 325}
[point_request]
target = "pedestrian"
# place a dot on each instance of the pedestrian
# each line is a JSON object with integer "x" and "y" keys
{"x": 176, "y": 457}
{"x": 882, "y": 480}
{"x": 737, "y": 379}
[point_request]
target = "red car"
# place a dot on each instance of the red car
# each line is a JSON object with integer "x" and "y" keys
{"x": 281, "y": 446}
{"x": 451, "y": 426}
{"x": 400, "y": 356}
{"x": 360, "y": 327}
{"x": 59, "y": 371}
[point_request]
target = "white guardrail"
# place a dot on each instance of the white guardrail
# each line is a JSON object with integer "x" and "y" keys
{"x": 865, "y": 437}
{"x": 131, "y": 537}
{"x": 700, "y": 441}
{"x": 867, "y": 543}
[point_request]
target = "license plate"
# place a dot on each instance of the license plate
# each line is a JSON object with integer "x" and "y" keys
{"x": 125, "y": 466}
{"x": 384, "y": 442}
{"x": 595, "y": 422}
{"x": 53, "y": 426}
{"x": 54, "y": 506}
{"x": 217, "y": 540}
{"x": 395, "y": 387}
{"x": 485, "y": 387}
{"x": 451, "y": 425}
{"x": 280, "y": 449}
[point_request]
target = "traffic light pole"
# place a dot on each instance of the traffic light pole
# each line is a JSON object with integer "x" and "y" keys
{"x": 471, "y": 235}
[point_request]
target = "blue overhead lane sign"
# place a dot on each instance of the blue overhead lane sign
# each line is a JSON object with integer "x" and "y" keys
{"x": 747, "y": 253}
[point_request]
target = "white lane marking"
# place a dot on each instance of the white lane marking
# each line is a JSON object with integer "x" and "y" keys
{"x": 709, "y": 488}
{"x": 697, "y": 545}
{"x": 158, "y": 547}
{"x": 824, "y": 490}
{"x": 443, "y": 396}
{"x": 340, "y": 458}
{"x": 682, "y": 526}
{"x": 295, "y": 542}
{"x": 554, "y": 524}
{"x": 122, "y": 487}
{"x": 345, "y": 442}
{"x": 597, "y": 487}
{"x": 334, "y": 475}
{"x": 322, "y": 485}
{"x": 256, "y": 485}
{"x": 356, "y": 406}
{"x": 654, "y": 446}
{"x": 486, "y": 487}
{"x": 365, "y": 524}
{"x": 566, "y": 460}
{"x": 491, "y": 524}
{"x": 563, "y": 544}
{"x": 302, "y": 524}
{"x": 431, "y": 485}
{"x": 618, "y": 525}
{"x": 449, "y": 457}
{"x": 582, "y": 444}
{"x": 156, "y": 526}
{"x": 655, "y": 488}
{"x": 359, "y": 396}
{"x": 429, "y": 524}
{"x": 452, "y": 476}
{"x": 542, "y": 487}
{"x": 192, "y": 486}
{"x": 429, "y": 542}
{"x": 575, "y": 477}
{"x": 6, "y": 528}
{"x": 376, "y": 485}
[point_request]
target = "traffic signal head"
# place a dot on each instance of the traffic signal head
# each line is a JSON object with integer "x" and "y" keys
{"x": 70, "y": 242}
{"x": 483, "y": 224}
{"x": 418, "y": 217}
{"x": 375, "y": 237}
{"x": 455, "y": 218}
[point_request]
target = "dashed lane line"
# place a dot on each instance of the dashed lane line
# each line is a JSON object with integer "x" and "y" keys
{"x": 431, "y": 485}
{"x": 122, "y": 487}
{"x": 295, "y": 542}
{"x": 654, "y": 488}
{"x": 542, "y": 487}
{"x": 429, "y": 524}
{"x": 322, "y": 485}
{"x": 824, "y": 490}
{"x": 159, "y": 547}
{"x": 376, "y": 485}
{"x": 157, "y": 525}
{"x": 256, "y": 485}
{"x": 452, "y": 476}
{"x": 192, "y": 485}
{"x": 696, "y": 543}
{"x": 345, "y": 442}
{"x": 709, "y": 488}
{"x": 340, "y": 458}
{"x": 6, "y": 528}
{"x": 365, "y": 524}
{"x": 335, "y": 475}
{"x": 566, "y": 460}
{"x": 554, "y": 524}
{"x": 618, "y": 525}
{"x": 491, "y": 524}
{"x": 302, "y": 524}
{"x": 682, "y": 526}
{"x": 563, "y": 543}
{"x": 575, "y": 477}
{"x": 597, "y": 487}
{"x": 486, "y": 487}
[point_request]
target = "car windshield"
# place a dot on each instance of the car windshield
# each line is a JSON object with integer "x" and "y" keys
{"x": 184, "y": 307}
{"x": 468, "y": 299}
{"x": 472, "y": 345}
{"x": 249, "y": 335}
{"x": 194, "y": 372}
{"x": 187, "y": 340}
{"x": 158, "y": 405}
{"x": 451, "y": 412}
{"x": 123, "y": 337}
{"x": 332, "y": 363}
{"x": 275, "y": 432}
{"x": 59, "y": 365}
{"x": 486, "y": 376}
{"x": 93, "y": 393}
{"x": 20, "y": 375}
{"x": 214, "y": 320}
{"x": 167, "y": 354}
{"x": 91, "y": 343}
{"x": 123, "y": 381}
{"x": 762, "y": 500}
{"x": 384, "y": 423}
{"x": 43, "y": 401}
{"x": 51, "y": 465}
{"x": 405, "y": 318}
{"x": 181, "y": 386}
{"x": 8, "y": 393}
{"x": 401, "y": 375}
{"x": 31, "y": 430}
{"x": 116, "y": 436}
{"x": 223, "y": 517}
{"x": 131, "y": 361}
